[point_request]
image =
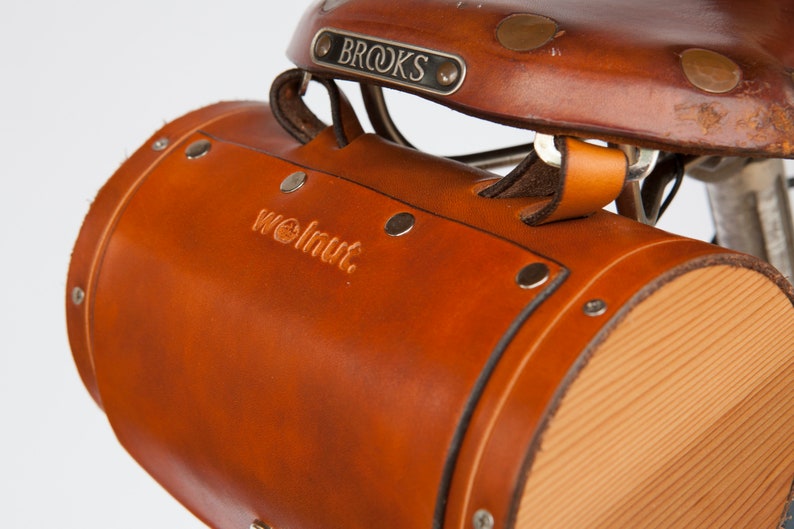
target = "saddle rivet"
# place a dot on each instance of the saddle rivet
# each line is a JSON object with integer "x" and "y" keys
{"x": 525, "y": 32}
{"x": 483, "y": 520}
{"x": 710, "y": 71}
{"x": 259, "y": 525}
{"x": 160, "y": 145}
{"x": 78, "y": 296}
{"x": 197, "y": 149}
{"x": 400, "y": 224}
{"x": 447, "y": 73}
{"x": 595, "y": 308}
{"x": 323, "y": 46}
{"x": 293, "y": 182}
{"x": 332, "y": 4}
{"x": 533, "y": 276}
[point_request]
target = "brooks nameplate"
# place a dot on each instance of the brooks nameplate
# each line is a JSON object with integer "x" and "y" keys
{"x": 393, "y": 62}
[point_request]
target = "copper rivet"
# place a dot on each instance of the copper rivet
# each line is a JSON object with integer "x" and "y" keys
{"x": 400, "y": 224}
{"x": 78, "y": 296}
{"x": 710, "y": 71}
{"x": 197, "y": 149}
{"x": 323, "y": 46}
{"x": 533, "y": 276}
{"x": 447, "y": 73}
{"x": 525, "y": 32}
{"x": 293, "y": 182}
{"x": 595, "y": 307}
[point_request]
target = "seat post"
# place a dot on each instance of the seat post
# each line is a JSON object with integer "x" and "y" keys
{"x": 751, "y": 209}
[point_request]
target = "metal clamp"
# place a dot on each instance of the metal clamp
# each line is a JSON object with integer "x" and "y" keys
{"x": 642, "y": 161}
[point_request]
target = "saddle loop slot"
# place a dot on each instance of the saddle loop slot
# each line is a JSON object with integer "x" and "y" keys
{"x": 291, "y": 112}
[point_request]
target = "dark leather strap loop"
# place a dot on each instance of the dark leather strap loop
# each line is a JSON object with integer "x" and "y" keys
{"x": 530, "y": 178}
{"x": 299, "y": 121}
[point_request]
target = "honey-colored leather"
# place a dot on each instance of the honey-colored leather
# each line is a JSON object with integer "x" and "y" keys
{"x": 591, "y": 177}
{"x": 238, "y": 421}
{"x": 257, "y": 378}
{"x": 99, "y": 225}
{"x": 613, "y": 70}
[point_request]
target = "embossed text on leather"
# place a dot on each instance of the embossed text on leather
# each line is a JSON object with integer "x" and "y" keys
{"x": 394, "y": 62}
{"x": 308, "y": 240}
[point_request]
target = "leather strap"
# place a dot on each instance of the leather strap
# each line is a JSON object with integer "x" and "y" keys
{"x": 299, "y": 121}
{"x": 590, "y": 178}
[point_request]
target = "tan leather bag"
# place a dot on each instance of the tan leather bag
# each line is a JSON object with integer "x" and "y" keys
{"x": 298, "y": 326}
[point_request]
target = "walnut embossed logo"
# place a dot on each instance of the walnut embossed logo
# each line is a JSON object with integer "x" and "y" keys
{"x": 395, "y": 62}
{"x": 309, "y": 240}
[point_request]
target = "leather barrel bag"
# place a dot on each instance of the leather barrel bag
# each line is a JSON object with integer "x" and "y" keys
{"x": 299, "y": 326}
{"x": 316, "y": 336}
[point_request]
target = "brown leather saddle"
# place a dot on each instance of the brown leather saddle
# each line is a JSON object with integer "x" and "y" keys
{"x": 669, "y": 84}
{"x": 688, "y": 76}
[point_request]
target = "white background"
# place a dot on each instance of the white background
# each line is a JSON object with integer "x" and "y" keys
{"x": 82, "y": 84}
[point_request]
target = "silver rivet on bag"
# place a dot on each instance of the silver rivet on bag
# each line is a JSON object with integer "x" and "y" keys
{"x": 293, "y": 182}
{"x": 78, "y": 295}
{"x": 400, "y": 224}
{"x": 532, "y": 276}
{"x": 595, "y": 307}
{"x": 483, "y": 520}
{"x": 197, "y": 149}
{"x": 160, "y": 145}
{"x": 259, "y": 525}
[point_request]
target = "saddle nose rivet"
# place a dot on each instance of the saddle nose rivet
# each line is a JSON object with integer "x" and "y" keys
{"x": 293, "y": 182}
{"x": 197, "y": 149}
{"x": 447, "y": 73}
{"x": 533, "y": 276}
{"x": 330, "y": 5}
{"x": 323, "y": 46}
{"x": 710, "y": 71}
{"x": 525, "y": 32}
